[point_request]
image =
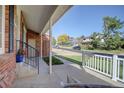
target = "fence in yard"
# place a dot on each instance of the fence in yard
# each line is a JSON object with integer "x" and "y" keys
{"x": 107, "y": 64}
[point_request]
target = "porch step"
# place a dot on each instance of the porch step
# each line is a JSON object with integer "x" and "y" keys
{"x": 23, "y": 70}
{"x": 38, "y": 81}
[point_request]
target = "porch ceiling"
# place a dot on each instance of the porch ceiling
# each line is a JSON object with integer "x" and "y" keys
{"x": 37, "y": 16}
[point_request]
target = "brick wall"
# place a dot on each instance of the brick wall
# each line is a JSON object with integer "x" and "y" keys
{"x": 45, "y": 45}
{"x": 42, "y": 42}
{"x": 7, "y": 70}
{"x": 33, "y": 35}
{"x": 7, "y": 60}
{"x": 6, "y": 29}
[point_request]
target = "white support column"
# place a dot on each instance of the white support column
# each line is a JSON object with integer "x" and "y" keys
{"x": 50, "y": 55}
{"x": 114, "y": 67}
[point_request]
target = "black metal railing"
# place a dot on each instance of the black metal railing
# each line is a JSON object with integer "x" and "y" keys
{"x": 31, "y": 56}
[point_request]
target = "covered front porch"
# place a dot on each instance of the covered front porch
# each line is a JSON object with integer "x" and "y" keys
{"x": 52, "y": 75}
{"x": 62, "y": 75}
{"x": 33, "y": 34}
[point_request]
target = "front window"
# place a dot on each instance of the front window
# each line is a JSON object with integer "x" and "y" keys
{"x": 11, "y": 28}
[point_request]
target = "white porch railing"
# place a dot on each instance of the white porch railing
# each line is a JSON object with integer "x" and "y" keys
{"x": 107, "y": 64}
{"x": 120, "y": 69}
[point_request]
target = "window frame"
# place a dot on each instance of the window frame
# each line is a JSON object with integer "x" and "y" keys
{"x": 11, "y": 28}
{"x": 2, "y": 49}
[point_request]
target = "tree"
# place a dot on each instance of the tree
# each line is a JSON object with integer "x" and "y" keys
{"x": 95, "y": 40}
{"x": 63, "y": 39}
{"x": 111, "y": 33}
{"x": 53, "y": 41}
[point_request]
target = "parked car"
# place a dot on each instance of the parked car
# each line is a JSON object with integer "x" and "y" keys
{"x": 76, "y": 48}
{"x": 57, "y": 46}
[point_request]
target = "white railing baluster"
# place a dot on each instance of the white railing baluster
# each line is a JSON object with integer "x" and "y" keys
{"x": 87, "y": 62}
{"x": 90, "y": 61}
{"x": 104, "y": 64}
{"x": 107, "y": 65}
{"x": 114, "y": 67}
{"x": 95, "y": 61}
{"x": 118, "y": 68}
{"x": 98, "y": 63}
{"x": 111, "y": 65}
{"x": 101, "y": 64}
{"x": 123, "y": 71}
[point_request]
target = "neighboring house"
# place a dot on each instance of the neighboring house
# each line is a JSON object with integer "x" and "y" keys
{"x": 71, "y": 40}
{"x": 89, "y": 39}
{"x": 21, "y": 27}
{"x": 86, "y": 40}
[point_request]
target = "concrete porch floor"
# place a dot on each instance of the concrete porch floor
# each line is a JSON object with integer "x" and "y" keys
{"x": 60, "y": 72}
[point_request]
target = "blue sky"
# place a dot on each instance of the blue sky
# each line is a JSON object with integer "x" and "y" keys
{"x": 84, "y": 20}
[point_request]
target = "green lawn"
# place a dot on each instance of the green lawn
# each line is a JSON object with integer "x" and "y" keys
{"x": 55, "y": 61}
{"x": 75, "y": 59}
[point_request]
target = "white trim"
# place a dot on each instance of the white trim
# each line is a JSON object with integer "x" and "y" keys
{"x": 2, "y": 50}
{"x": 50, "y": 56}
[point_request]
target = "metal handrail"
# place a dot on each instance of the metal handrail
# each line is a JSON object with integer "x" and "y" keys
{"x": 32, "y": 56}
{"x": 27, "y": 44}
